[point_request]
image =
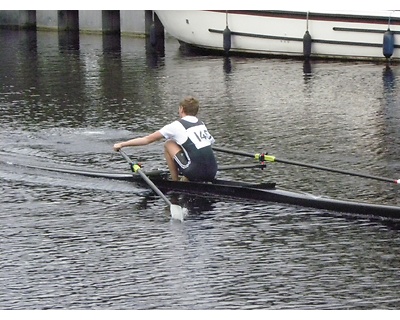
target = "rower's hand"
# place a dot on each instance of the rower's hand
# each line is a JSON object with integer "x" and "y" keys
{"x": 117, "y": 146}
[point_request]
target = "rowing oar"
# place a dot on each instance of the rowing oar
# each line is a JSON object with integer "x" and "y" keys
{"x": 242, "y": 166}
{"x": 176, "y": 211}
{"x": 265, "y": 157}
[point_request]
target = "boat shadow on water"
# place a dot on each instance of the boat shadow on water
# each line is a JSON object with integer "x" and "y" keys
{"x": 389, "y": 223}
{"x": 200, "y": 207}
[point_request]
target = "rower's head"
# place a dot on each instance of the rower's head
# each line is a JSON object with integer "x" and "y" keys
{"x": 189, "y": 106}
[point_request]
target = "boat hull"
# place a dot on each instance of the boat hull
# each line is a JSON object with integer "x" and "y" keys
{"x": 334, "y": 35}
{"x": 266, "y": 192}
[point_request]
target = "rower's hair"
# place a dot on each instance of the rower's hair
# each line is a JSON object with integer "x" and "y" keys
{"x": 190, "y": 106}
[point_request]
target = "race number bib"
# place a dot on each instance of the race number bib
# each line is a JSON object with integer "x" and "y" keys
{"x": 199, "y": 136}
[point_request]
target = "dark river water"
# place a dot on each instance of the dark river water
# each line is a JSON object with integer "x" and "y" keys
{"x": 70, "y": 242}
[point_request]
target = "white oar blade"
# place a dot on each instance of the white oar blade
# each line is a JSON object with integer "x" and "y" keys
{"x": 177, "y": 212}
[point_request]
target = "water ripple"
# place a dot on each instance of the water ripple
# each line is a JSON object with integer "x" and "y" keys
{"x": 86, "y": 243}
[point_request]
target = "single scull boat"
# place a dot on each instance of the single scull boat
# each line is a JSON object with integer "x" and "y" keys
{"x": 234, "y": 189}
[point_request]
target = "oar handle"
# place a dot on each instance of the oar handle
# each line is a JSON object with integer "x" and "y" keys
{"x": 257, "y": 156}
{"x": 238, "y": 152}
{"x": 242, "y": 166}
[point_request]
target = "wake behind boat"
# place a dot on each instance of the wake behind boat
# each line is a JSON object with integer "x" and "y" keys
{"x": 266, "y": 192}
{"x": 349, "y": 35}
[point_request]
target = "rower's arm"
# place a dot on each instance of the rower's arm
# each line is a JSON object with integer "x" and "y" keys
{"x": 155, "y": 136}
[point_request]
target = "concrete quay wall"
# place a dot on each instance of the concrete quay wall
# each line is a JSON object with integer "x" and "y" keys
{"x": 134, "y": 22}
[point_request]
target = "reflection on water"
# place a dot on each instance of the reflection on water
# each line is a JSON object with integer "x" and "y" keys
{"x": 68, "y": 41}
{"x": 70, "y": 242}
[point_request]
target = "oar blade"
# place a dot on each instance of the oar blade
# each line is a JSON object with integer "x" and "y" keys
{"x": 177, "y": 212}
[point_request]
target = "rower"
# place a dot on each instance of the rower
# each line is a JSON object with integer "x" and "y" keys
{"x": 188, "y": 149}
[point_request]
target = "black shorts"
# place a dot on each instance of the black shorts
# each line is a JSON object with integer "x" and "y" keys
{"x": 194, "y": 171}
